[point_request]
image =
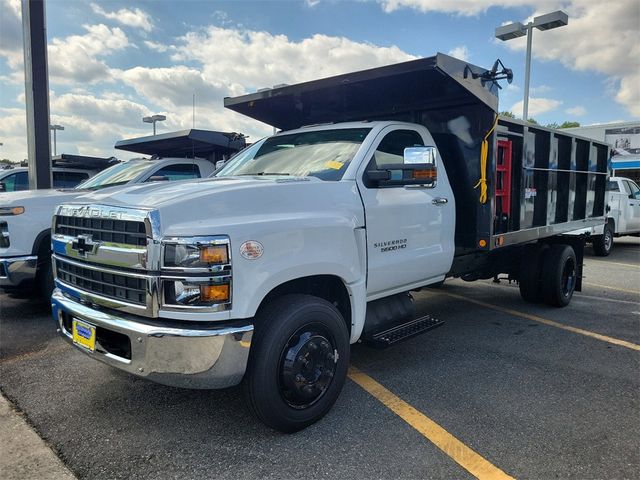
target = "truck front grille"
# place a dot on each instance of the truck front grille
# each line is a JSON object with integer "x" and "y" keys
{"x": 126, "y": 232}
{"x": 117, "y": 286}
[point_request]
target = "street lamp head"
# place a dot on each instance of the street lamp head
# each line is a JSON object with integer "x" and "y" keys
{"x": 510, "y": 31}
{"x": 551, "y": 20}
{"x": 147, "y": 119}
{"x": 56, "y": 127}
{"x": 159, "y": 118}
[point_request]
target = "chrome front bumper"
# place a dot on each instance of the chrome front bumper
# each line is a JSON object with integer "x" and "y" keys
{"x": 207, "y": 356}
{"x": 15, "y": 271}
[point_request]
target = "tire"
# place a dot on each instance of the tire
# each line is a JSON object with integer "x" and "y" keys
{"x": 45, "y": 278}
{"x": 559, "y": 275}
{"x": 603, "y": 244}
{"x": 531, "y": 272}
{"x": 293, "y": 377}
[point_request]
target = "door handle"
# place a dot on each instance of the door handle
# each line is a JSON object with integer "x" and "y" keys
{"x": 440, "y": 201}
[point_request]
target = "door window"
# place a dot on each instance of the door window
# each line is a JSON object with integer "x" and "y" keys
{"x": 612, "y": 186}
{"x": 16, "y": 182}
{"x": 182, "y": 171}
{"x": 68, "y": 179}
{"x": 633, "y": 189}
{"x": 390, "y": 151}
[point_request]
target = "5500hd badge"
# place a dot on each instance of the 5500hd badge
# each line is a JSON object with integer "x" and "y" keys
{"x": 391, "y": 245}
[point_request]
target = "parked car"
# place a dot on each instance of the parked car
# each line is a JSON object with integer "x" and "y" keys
{"x": 623, "y": 217}
{"x": 25, "y": 216}
{"x": 17, "y": 179}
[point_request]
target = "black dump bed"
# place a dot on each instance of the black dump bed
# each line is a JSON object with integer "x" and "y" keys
{"x": 554, "y": 182}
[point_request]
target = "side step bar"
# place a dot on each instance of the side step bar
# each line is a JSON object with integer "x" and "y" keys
{"x": 403, "y": 331}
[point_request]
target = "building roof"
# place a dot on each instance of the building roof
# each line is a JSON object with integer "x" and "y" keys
{"x": 184, "y": 143}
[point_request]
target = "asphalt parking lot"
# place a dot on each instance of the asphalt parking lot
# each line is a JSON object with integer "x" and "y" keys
{"x": 504, "y": 388}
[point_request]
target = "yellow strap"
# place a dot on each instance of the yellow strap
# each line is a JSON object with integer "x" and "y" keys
{"x": 484, "y": 154}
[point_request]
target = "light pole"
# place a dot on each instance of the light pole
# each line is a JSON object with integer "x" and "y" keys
{"x": 514, "y": 30}
{"x": 153, "y": 119}
{"x": 55, "y": 128}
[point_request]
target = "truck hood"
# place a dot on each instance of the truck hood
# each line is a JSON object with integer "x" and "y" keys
{"x": 33, "y": 197}
{"x": 198, "y": 207}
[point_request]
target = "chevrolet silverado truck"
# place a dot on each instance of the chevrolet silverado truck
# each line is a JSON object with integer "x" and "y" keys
{"x": 25, "y": 216}
{"x": 623, "y": 215}
{"x": 379, "y": 183}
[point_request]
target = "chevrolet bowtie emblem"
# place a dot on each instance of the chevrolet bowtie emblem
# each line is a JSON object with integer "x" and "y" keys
{"x": 84, "y": 245}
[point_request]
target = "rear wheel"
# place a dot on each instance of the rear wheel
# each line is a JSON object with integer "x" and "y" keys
{"x": 559, "y": 275}
{"x": 603, "y": 244}
{"x": 298, "y": 362}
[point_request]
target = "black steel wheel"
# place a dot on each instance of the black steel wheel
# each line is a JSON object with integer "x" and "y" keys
{"x": 298, "y": 362}
{"x": 559, "y": 275}
{"x": 603, "y": 244}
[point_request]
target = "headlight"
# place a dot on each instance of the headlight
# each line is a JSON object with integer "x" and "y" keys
{"x": 196, "y": 253}
{"x": 6, "y": 211}
{"x": 196, "y": 293}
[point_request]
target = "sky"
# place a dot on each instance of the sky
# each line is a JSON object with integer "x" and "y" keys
{"x": 113, "y": 62}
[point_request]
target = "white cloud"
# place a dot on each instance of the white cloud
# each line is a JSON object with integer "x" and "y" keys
{"x": 461, "y": 52}
{"x": 537, "y": 106}
{"x": 135, "y": 18}
{"x": 540, "y": 89}
{"x": 272, "y": 59}
{"x": 577, "y": 111}
{"x": 600, "y": 37}
{"x": 158, "y": 47}
{"x": 312, "y": 3}
{"x": 458, "y": 7}
{"x": 76, "y": 58}
{"x": 11, "y": 33}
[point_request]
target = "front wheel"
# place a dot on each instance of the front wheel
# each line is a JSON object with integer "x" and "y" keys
{"x": 298, "y": 362}
{"x": 603, "y": 244}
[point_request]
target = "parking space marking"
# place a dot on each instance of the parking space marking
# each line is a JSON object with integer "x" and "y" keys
{"x": 630, "y": 265}
{"x": 551, "y": 323}
{"x": 467, "y": 458}
{"x": 604, "y": 299}
{"x": 625, "y": 290}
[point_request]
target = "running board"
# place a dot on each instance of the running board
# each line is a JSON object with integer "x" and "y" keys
{"x": 403, "y": 331}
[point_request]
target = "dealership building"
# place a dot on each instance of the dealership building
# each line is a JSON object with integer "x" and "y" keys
{"x": 624, "y": 138}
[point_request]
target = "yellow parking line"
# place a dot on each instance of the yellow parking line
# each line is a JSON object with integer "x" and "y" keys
{"x": 630, "y": 265}
{"x": 454, "y": 448}
{"x": 551, "y": 323}
{"x": 625, "y": 290}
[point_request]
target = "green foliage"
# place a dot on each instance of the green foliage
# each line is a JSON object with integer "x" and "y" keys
{"x": 533, "y": 121}
{"x": 507, "y": 114}
{"x": 570, "y": 124}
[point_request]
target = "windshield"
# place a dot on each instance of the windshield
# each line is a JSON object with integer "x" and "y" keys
{"x": 117, "y": 175}
{"x": 324, "y": 154}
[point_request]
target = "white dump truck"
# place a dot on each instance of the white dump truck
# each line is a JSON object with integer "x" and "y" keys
{"x": 314, "y": 238}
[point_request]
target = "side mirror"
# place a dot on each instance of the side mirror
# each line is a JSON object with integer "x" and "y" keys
{"x": 420, "y": 155}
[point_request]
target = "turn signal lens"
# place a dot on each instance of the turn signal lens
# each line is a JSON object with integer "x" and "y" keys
{"x": 429, "y": 174}
{"x": 214, "y": 254}
{"x": 6, "y": 211}
{"x": 214, "y": 293}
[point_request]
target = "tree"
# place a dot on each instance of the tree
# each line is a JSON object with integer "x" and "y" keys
{"x": 569, "y": 125}
{"x": 507, "y": 114}
{"x": 552, "y": 125}
{"x": 533, "y": 121}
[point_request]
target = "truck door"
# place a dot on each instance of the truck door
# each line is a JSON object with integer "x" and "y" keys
{"x": 632, "y": 205}
{"x": 410, "y": 228}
